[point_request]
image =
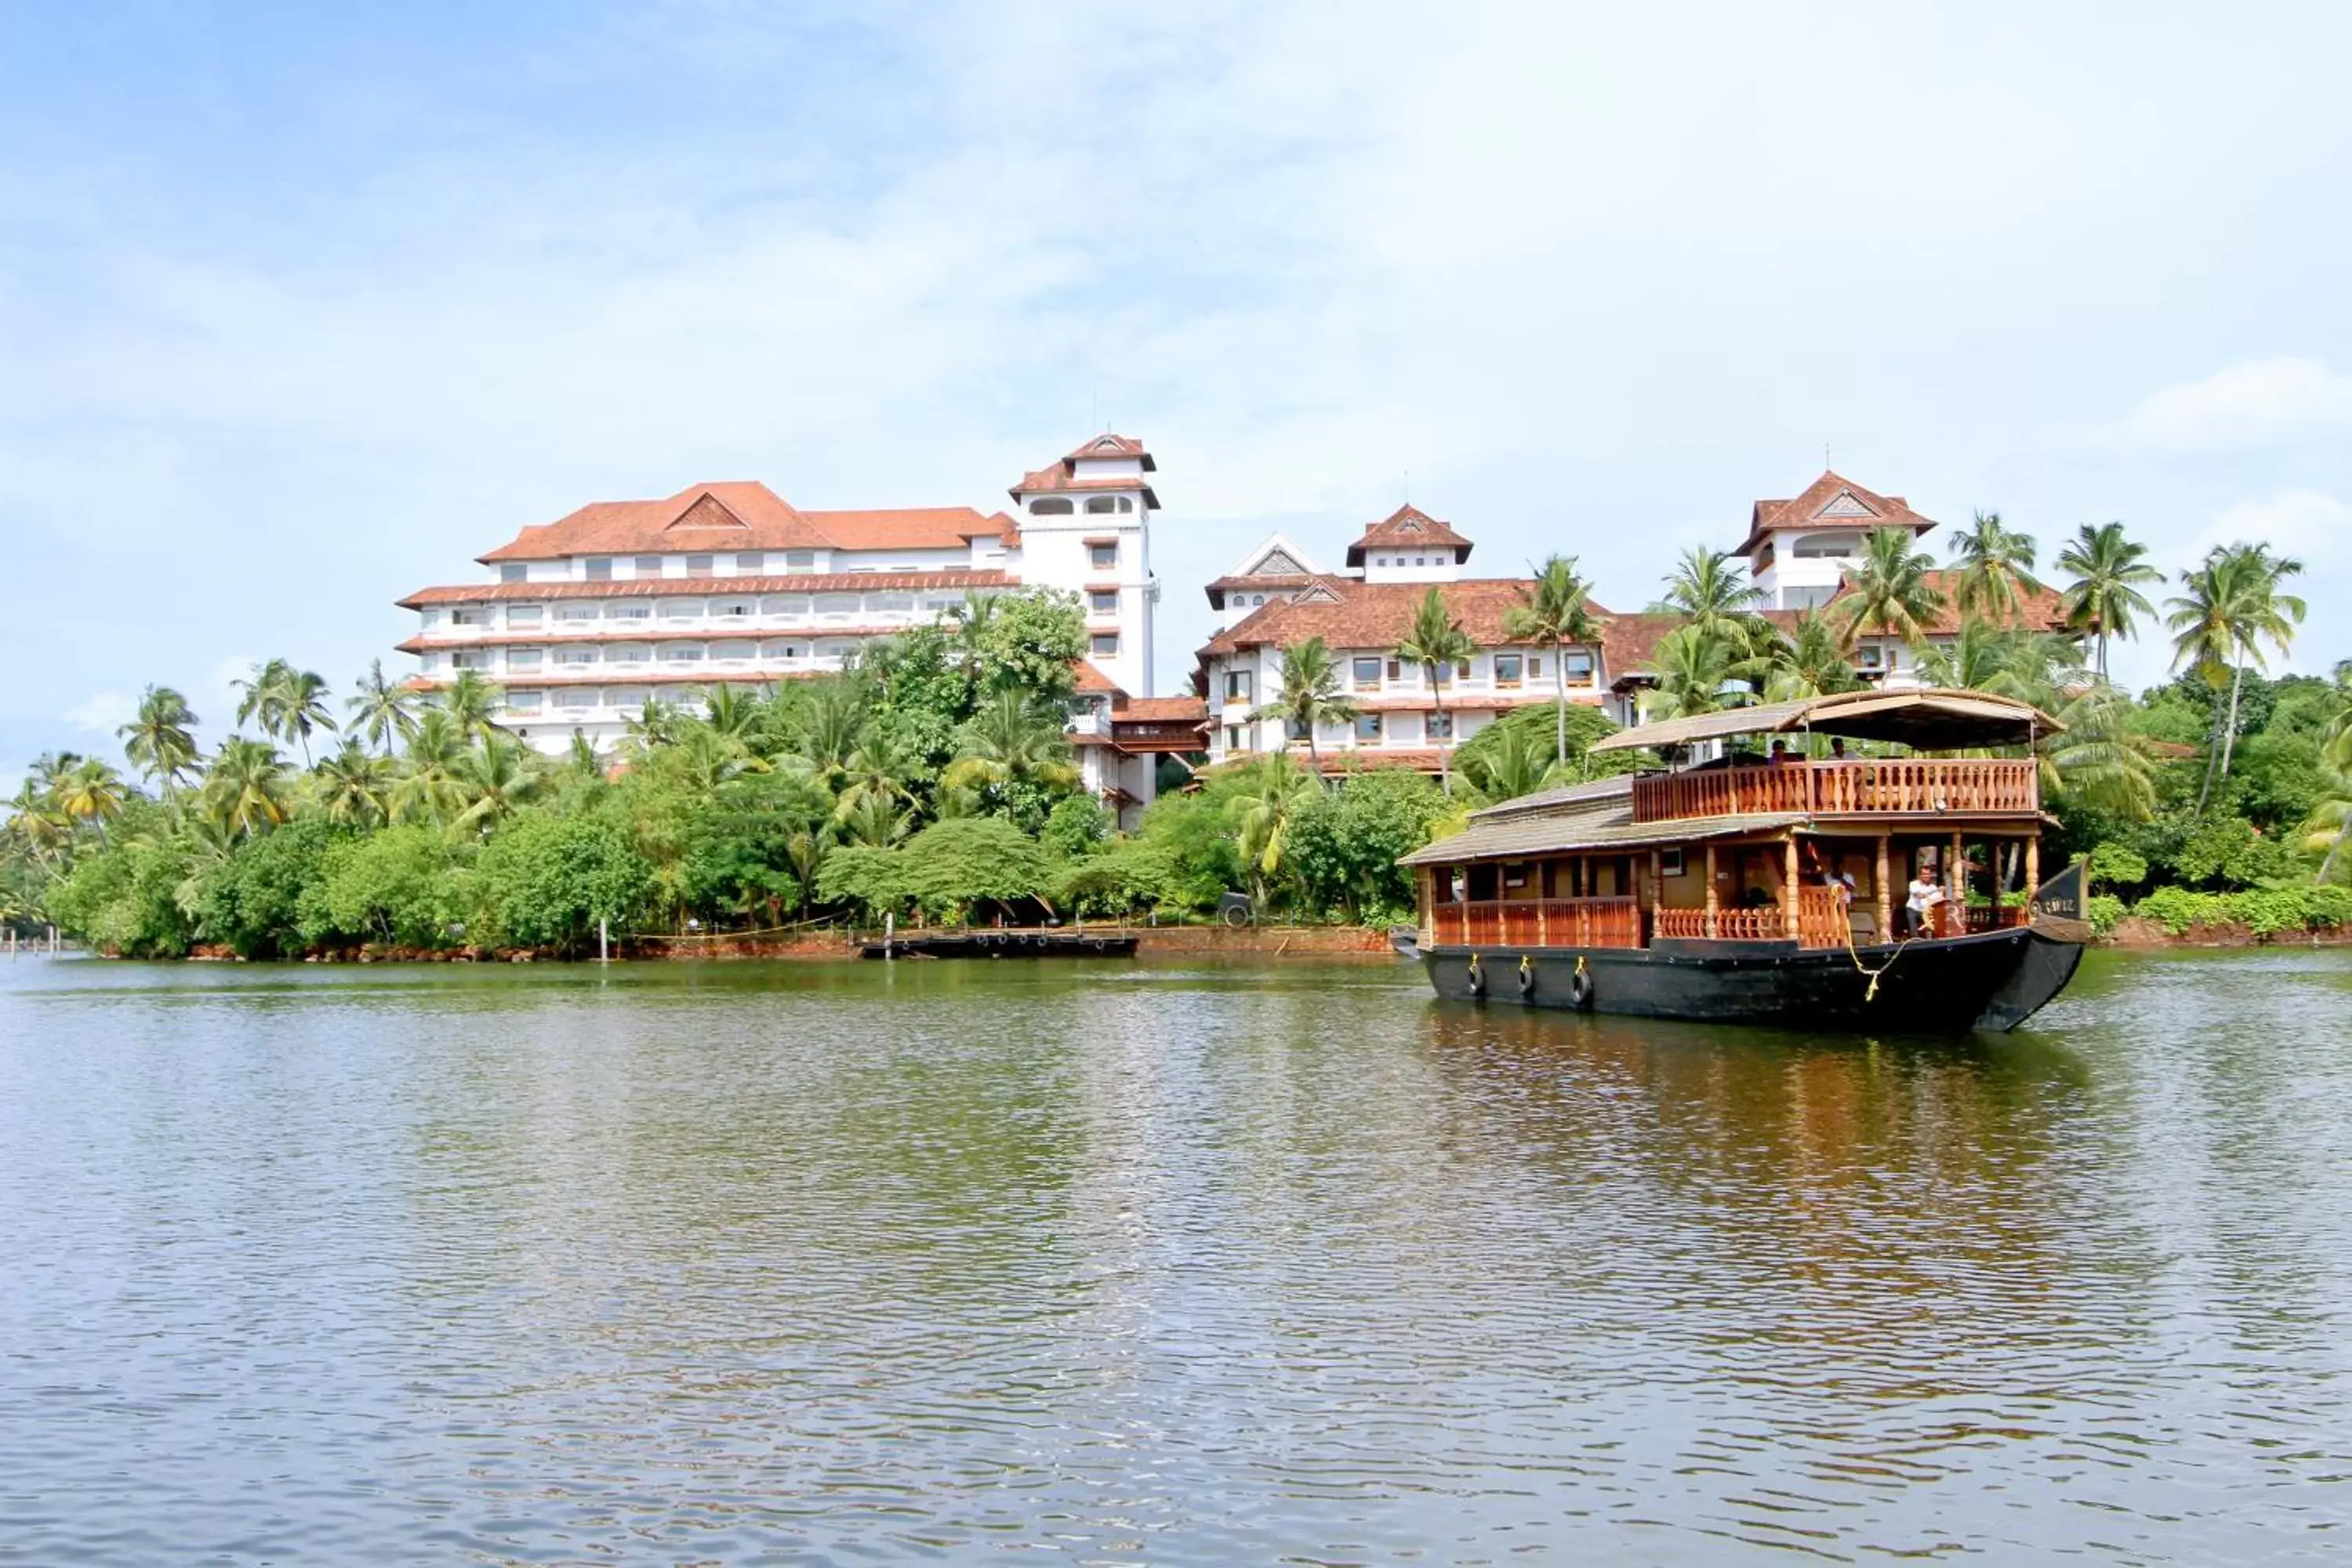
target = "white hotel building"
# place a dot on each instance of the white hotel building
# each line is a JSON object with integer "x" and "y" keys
{"x": 580, "y": 620}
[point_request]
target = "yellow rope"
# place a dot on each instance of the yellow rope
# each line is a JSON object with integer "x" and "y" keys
{"x": 1871, "y": 995}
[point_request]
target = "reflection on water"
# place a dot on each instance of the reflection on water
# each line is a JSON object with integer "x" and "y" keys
{"x": 746, "y": 1263}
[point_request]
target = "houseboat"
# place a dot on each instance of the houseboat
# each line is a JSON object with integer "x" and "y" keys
{"x": 1777, "y": 884}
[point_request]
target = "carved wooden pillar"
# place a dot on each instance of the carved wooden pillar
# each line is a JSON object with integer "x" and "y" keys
{"x": 2033, "y": 866}
{"x": 1789, "y": 896}
{"x": 1710, "y": 888}
{"x": 1885, "y": 888}
{"x": 1956, "y": 892}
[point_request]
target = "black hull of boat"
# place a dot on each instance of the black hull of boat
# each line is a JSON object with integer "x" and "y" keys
{"x": 1992, "y": 981}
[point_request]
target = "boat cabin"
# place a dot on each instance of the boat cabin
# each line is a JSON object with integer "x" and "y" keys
{"x": 1796, "y": 824}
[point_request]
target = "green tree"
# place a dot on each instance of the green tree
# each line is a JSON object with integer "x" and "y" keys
{"x": 1263, "y": 799}
{"x": 472, "y": 703}
{"x": 1015, "y": 756}
{"x": 252, "y": 900}
{"x": 546, "y": 882}
{"x": 1889, "y": 593}
{"x": 1558, "y": 613}
{"x": 2106, "y": 571}
{"x": 1809, "y": 660}
{"x": 1309, "y": 696}
{"x": 245, "y": 788}
{"x": 383, "y": 710}
{"x": 1706, "y": 588}
{"x": 2229, "y": 606}
{"x": 1437, "y": 643}
{"x": 400, "y": 886}
{"x": 1345, "y": 847}
{"x": 1996, "y": 569}
{"x": 1696, "y": 668}
{"x": 354, "y": 787}
{"x": 159, "y": 739}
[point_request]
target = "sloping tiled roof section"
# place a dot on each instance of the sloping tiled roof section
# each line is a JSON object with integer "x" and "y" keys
{"x": 1831, "y": 501}
{"x": 738, "y": 515}
{"x": 1347, "y": 613}
{"x": 1412, "y": 528}
{"x": 1163, "y": 710}
{"x": 1088, "y": 677}
{"x": 2043, "y": 610}
{"x": 1063, "y": 475}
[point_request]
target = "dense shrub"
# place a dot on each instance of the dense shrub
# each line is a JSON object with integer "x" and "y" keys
{"x": 2265, "y": 910}
{"x": 546, "y": 881}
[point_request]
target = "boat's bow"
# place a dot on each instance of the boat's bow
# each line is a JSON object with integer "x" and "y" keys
{"x": 2060, "y": 927}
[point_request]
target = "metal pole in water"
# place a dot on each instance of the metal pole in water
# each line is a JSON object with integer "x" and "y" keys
{"x": 603, "y": 941}
{"x": 889, "y": 930}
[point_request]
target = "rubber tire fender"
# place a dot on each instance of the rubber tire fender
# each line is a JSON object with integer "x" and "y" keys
{"x": 1478, "y": 978}
{"x": 1579, "y": 987}
{"x": 1527, "y": 977}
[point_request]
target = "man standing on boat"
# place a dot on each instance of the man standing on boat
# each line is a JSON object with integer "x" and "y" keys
{"x": 1926, "y": 894}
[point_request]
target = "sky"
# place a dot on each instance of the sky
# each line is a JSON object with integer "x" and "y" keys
{"x": 302, "y": 308}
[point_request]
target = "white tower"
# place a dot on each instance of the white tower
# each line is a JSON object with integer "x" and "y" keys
{"x": 1086, "y": 527}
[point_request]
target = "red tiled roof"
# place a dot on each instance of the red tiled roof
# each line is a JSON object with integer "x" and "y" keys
{"x": 1090, "y": 678}
{"x": 675, "y": 587}
{"x": 1063, "y": 475}
{"x": 1411, "y": 528}
{"x": 2042, "y": 611}
{"x": 1805, "y": 511}
{"x": 1362, "y": 615}
{"x": 1166, "y": 709}
{"x": 738, "y": 515}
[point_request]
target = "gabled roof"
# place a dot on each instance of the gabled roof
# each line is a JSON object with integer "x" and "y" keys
{"x": 740, "y": 515}
{"x": 1831, "y": 501}
{"x": 1064, "y": 475}
{"x": 1926, "y": 719}
{"x": 1411, "y": 528}
{"x": 1348, "y": 613}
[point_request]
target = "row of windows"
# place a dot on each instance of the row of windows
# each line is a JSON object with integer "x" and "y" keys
{"x": 774, "y": 608}
{"x": 1096, "y": 506}
{"x": 1416, "y": 561}
{"x": 519, "y": 660}
{"x": 1373, "y": 672}
{"x": 1364, "y": 727}
{"x": 745, "y": 563}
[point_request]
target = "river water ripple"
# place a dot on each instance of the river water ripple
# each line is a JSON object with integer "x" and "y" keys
{"x": 1169, "y": 1263}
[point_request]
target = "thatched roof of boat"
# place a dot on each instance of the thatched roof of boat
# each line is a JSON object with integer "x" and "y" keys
{"x": 1929, "y": 719}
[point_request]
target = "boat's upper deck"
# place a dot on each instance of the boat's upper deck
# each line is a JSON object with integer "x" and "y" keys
{"x": 1847, "y": 787}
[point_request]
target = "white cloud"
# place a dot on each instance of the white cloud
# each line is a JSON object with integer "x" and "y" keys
{"x": 103, "y": 712}
{"x": 2263, "y": 402}
{"x": 2313, "y": 527}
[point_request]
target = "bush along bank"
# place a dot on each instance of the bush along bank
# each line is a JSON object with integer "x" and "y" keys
{"x": 2181, "y": 917}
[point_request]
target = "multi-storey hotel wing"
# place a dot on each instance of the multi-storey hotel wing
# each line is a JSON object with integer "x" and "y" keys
{"x": 580, "y": 620}
{"x": 1800, "y": 553}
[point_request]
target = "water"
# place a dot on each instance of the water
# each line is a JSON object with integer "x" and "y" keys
{"x": 1120, "y": 1263}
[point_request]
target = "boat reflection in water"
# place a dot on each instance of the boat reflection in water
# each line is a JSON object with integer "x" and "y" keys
{"x": 1773, "y": 890}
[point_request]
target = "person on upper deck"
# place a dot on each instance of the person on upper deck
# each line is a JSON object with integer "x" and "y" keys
{"x": 1779, "y": 750}
{"x": 1837, "y": 748}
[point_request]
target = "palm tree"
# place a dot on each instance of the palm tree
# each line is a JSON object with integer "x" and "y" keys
{"x": 731, "y": 710}
{"x": 2331, "y": 818}
{"x": 1996, "y": 569}
{"x": 382, "y": 710}
{"x": 656, "y": 723}
{"x": 472, "y": 703}
{"x": 1559, "y": 611}
{"x": 1696, "y": 668}
{"x": 2231, "y": 605}
{"x": 1888, "y": 591}
{"x": 1269, "y": 793}
{"x": 878, "y": 765}
{"x": 1809, "y": 661}
{"x": 1707, "y": 589}
{"x": 1309, "y": 696}
{"x": 89, "y": 791}
{"x": 493, "y": 778}
{"x": 2095, "y": 759}
{"x": 831, "y": 723}
{"x": 36, "y": 826}
{"x": 1986, "y": 657}
{"x": 973, "y": 620}
{"x": 2106, "y": 568}
{"x": 354, "y": 785}
{"x": 581, "y": 759}
{"x": 159, "y": 741}
{"x": 429, "y": 789}
{"x": 1516, "y": 764}
{"x": 1437, "y": 643}
{"x": 1014, "y": 737}
{"x": 264, "y": 698}
{"x": 244, "y": 789}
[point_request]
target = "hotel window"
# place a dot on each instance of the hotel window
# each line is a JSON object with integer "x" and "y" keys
{"x": 1827, "y": 546}
{"x": 626, "y": 655}
{"x": 698, "y": 565}
{"x": 682, "y": 610}
{"x": 1103, "y": 604}
{"x": 893, "y": 603}
{"x": 1506, "y": 670}
{"x": 514, "y": 572}
{"x": 523, "y": 658}
{"x": 734, "y": 652}
{"x": 1420, "y": 561}
{"x": 800, "y": 560}
{"x": 682, "y": 653}
{"x": 1368, "y": 726}
{"x": 470, "y": 617}
{"x": 1535, "y": 666}
{"x": 650, "y": 566}
{"x": 1237, "y": 685}
{"x": 836, "y": 606}
{"x": 1105, "y": 645}
{"x": 1396, "y": 670}
{"x": 1462, "y": 670}
{"x": 1870, "y": 655}
{"x": 732, "y": 609}
{"x": 522, "y": 701}
{"x": 754, "y": 561}
{"x": 580, "y": 612}
{"x": 780, "y": 650}
{"x": 1577, "y": 668}
{"x": 524, "y": 615}
{"x": 576, "y": 697}
{"x": 473, "y": 658}
{"x": 1368, "y": 674}
{"x": 1100, "y": 505}
{"x": 1051, "y": 506}
{"x": 1238, "y": 738}
{"x": 599, "y": 568}
{"x": 1441, "y": 726}
{"x": 636, "y": 610}
{"x": 1102, "y": 557}
{"x": 575, "y": 656}
{"x": 783, "y": 606}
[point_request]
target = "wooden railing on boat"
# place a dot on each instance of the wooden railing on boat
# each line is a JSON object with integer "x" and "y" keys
{"x": 1855, "y": 786}
{"x": 1538, "y": 922}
